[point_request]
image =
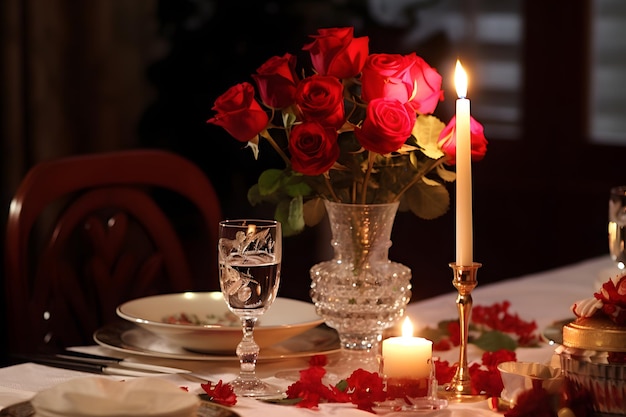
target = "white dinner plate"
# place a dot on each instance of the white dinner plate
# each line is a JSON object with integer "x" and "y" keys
{"x": 217, "y": 330}
{"x": 127, "y": 337}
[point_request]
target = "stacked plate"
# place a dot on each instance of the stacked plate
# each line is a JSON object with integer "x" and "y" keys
{"x": 200, "y": 322}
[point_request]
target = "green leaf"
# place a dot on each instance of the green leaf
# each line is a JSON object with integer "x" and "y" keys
{"x": 426, "y": 132}
{"x": 296, "y": 214}
{"x": 342, "y": 385}
{"x": 444, "y": 174}
{"x": 289, "y": 213}
{"x": 428, "y": 201}
{"x": 443, "y": 324}
{"x": 269, "y": 181}
{"x": 281, "y": 401}
{"x": 295, "y": 186}
{"x": 313, "y": 211}
{"x": 495, "y": 340}
{"x": 254, "y": 196}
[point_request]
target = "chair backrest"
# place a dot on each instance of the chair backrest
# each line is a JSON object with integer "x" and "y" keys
{"x": 86, "y": 233}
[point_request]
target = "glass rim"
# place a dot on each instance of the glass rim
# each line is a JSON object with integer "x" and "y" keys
{"x": 246, "y": 222}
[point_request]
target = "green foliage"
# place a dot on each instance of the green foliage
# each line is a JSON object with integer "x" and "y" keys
{"x": 495, "y": 340}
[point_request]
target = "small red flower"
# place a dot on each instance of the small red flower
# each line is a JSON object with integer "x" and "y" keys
{"x": 444, "y": 372}
{"x": 493, "y": 359}
{"x": 485, "y": 381}
{"x": 220, "y": 393}
{"x": 365, "y": 389}
{"x": 310, "y": 388}
{"x": 613, "y": 297}
{"x": 485, "y": 378}
{"x": 497, "y": 317}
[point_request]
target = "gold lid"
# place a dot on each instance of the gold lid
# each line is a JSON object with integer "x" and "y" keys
{"x": 595, "y": 333}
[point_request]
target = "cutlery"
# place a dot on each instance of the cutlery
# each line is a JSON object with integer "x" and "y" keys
{"x": 113, "y": 361}
{"x": 51, "y": 360}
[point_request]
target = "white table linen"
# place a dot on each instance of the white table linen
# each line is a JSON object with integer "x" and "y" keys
{"x": 544, "y": 297}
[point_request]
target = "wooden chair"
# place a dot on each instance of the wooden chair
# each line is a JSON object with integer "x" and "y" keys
{"x": 86, "y": 233}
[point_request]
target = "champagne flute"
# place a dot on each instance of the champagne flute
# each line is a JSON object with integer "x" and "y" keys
{"x": 249, "y": 256}
{"x": 617, "y": 225}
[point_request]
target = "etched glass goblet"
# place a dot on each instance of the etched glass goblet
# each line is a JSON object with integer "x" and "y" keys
{"x": 249, "y": 256}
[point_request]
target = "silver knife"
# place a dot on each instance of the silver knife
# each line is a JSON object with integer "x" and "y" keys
{"x": 73, "y": 364}
{"x": 118, "y": 362}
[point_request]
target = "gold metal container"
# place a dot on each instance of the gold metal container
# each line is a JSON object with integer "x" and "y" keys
{"x": 588, "y": 346}
{"x": 595, "y": 333}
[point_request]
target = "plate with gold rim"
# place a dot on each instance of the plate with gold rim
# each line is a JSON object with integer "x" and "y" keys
{"x": 124, "y": 336}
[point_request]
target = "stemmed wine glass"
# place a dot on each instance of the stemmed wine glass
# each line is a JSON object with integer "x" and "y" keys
{"x": 249, "y": 256}
{"x": 617, "y": 226}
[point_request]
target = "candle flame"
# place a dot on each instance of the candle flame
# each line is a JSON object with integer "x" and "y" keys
{"x": 460, "y": 80}
{"x": 407, "y": 328}
{"x": 251, "y": 229}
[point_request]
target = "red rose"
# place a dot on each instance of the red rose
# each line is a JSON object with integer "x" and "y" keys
{"x": 337, "y": 53}
{"x": 320, "y": 99}
{"x": 388, "y": 124}
{"x": 239, "y": 113}
{"x": 276, "y": 80}
{"x": 447, "y": 140}
{"x": 313, "y": 148}
{"x": 408, "y": 79}
{"x": 429, "y": 92}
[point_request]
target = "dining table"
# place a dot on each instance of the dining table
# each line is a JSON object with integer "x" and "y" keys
{"x": 545, "y": 297}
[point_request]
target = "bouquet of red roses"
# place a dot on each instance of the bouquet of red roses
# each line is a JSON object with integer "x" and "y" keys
{"x": 356, "y": 128}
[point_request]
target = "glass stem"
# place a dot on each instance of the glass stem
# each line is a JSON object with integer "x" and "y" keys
{"x": 247, "y": 350}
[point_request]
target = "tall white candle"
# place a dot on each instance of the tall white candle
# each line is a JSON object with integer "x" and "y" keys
{"x": 407, "y": 356}
{"x": 464, "y": 255}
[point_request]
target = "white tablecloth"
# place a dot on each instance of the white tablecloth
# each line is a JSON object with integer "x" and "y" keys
{"x": 544, "y": 297}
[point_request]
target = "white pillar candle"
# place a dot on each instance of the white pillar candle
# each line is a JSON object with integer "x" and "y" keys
{"x": 464, "y": 255}
{"x": 407, "y": 357}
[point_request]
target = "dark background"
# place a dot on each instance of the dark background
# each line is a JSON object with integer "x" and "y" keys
{"x": 540, "y": 201}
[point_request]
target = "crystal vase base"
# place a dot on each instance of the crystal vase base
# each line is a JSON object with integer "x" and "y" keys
{"x": 360, "y": 292}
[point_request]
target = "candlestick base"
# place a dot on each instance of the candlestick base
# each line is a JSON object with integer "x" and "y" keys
{"x": 459, "y": 389}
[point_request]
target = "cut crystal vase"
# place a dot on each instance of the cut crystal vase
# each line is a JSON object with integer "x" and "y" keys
{"x": 360, "y": 292}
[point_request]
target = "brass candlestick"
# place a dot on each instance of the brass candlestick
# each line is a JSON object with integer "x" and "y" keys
{"x": 464, "y": 281}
